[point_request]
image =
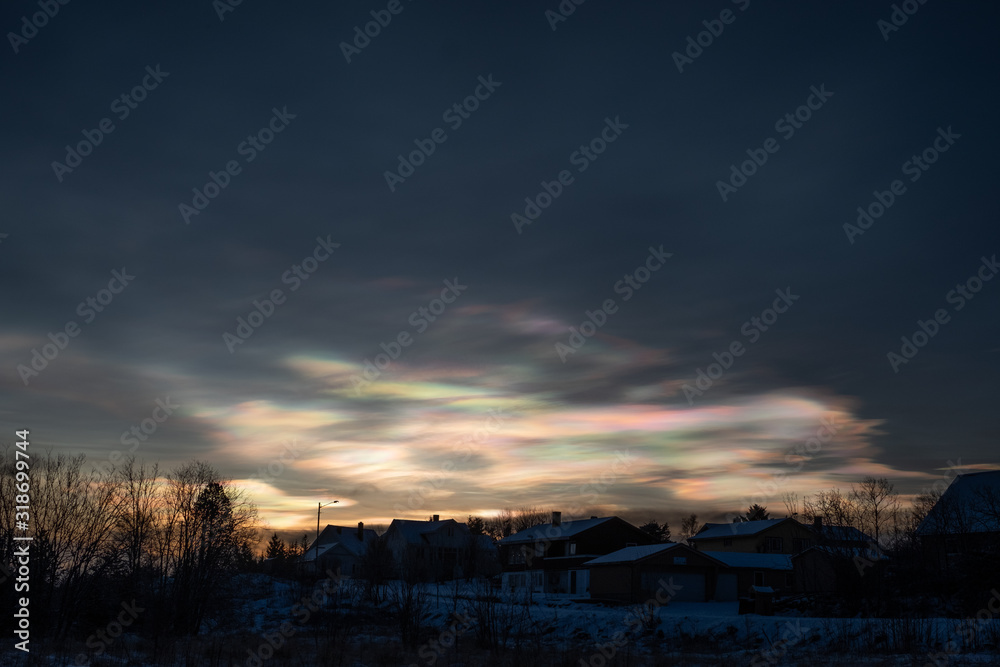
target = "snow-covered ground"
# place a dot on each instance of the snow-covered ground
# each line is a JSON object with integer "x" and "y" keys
{"x": 599, "y": 634}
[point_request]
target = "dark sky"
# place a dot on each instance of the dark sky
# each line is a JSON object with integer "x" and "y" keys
{"x": 388, "y": 447}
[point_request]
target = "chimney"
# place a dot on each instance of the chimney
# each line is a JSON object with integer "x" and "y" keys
{"x": 736, "y": 519}
{"x": 435, "y": 517}
{"x": 557, "y": 518}
{"x": 339, "y": 529}
{"x": 361, "y": 531}
{"x": 817, "y": 522}
{"x": 593, "y": 516}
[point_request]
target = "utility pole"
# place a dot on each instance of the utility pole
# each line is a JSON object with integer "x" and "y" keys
{"x": 319, "y": 506}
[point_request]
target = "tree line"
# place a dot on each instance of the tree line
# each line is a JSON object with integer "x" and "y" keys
{"x": 101, "y": 537}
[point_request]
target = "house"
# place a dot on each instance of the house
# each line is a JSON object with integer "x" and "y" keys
{"x": 769, "y": 536}
{"x": 549, "y": 558}
{"x": 640, "y": 573}
{"x": 834, "y": 569}
{"x": 432, "y": 550}
{"x": 338, "y": 548}
{"x": 964, "y": 524}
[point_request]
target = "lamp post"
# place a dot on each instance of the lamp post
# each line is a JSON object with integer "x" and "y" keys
{"x": 320, "y": 506}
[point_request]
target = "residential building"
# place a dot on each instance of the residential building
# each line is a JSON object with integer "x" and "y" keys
{"x": 964, "y": 524}
{"x": 683, "y": 574}
{"x": 432, "y": 550}
{"x": 770, "y": 536}
{"x": 338, "y": 548}
{"x": 549, "y": 558}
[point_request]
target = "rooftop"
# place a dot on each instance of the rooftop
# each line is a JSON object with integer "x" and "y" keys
{"x": 740, "y": 529}
{"x": 548, "y": 531}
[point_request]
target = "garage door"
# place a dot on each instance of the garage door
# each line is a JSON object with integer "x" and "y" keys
{"x": 687, "y": 586}
{"x": 725, "y": 589}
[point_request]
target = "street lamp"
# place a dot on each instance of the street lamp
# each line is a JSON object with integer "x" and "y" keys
{"x": 320, "y": 506}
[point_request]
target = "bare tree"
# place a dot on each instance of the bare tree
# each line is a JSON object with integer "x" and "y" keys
{"x": 791, "y": 501}
{"x": 689, "y": 527}
{"x": 525, "y": 517}
{"x": 877, "y": 506}
{"x": 136, "y": 522}
{"x": 73, "y": 514}
{"x": 833, "y": 507}
{"x": 206, "y": 523}
{"x": 500, "y": 525}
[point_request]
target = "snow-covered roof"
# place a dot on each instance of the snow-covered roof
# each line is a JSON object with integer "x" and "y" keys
{"x": 631, "y": 554}
{"x": 548, "y": 531}
{"x": 971, "y": 504}
{"x": 344, "y": 536}
{"x": 310, "y": 555}
{"x": 755, "y": 560}
{"x": 726, "y": 558}
{"x": 740, "y": 529}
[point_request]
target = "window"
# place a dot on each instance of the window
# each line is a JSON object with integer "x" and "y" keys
{"x": 801, "y": 544}
{"x": 539, "y": 549}
{"x": 727, "y": 541}
{"x": 774, "y": 545}
{"x": 758, "y": 578}
{"x": 680, "y": 560}
{"x": 572, "y": 549}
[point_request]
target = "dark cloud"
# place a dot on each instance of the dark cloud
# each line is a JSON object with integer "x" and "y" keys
{"x": 656, "y": 184}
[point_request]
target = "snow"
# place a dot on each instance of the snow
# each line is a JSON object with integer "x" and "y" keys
{"x": 631, "y": 554}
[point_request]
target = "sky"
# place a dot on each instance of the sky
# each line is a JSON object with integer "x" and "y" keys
{"x": 624, "y": 258}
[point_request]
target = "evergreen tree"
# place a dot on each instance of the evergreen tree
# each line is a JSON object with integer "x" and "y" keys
{"x": 276, "y": 548}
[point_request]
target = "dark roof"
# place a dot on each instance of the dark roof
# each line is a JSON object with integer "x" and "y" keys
{"x": 546, "y": 531}
{"x": 739, "y": 529}
{"x": 414, "y": 531}
{"x": 971, "y": 504}
{"x": 754, "y": 560}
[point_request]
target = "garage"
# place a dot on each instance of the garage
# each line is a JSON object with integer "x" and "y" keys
{"x": 684, "y": 586}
